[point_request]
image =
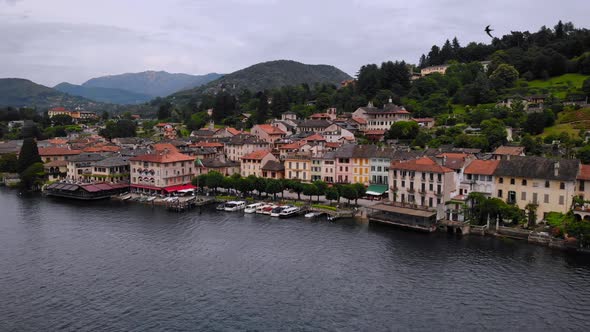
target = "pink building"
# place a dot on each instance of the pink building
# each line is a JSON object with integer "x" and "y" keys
{"x": 267, "y": 133}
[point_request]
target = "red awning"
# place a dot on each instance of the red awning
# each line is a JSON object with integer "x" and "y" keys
{"x": 179, "y": 187}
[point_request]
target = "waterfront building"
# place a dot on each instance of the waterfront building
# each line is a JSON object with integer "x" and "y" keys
{"x": 163, "y": 171}
{"x": 273, "y": 169}
{"x": 225, "y": 167}
{"x": 253, "y": 162}
{"x": 80, "y": 166}
{"x": 421, "y": 183}
{"x": 57, "y": 153}
{"x": 550, "y": 184}
{"x": 113, "y": 169}
{"x": 479, "y": 177}
{"x": 361, "y": 163}
{"x": 298, "y": 166}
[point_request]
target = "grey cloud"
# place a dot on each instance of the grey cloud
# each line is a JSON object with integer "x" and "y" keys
{"x": 203, "y": 36}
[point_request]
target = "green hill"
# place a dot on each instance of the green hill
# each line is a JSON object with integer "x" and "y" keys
{"x": 104, "y": 95}
{"x": 19, "y": 92}
{"x": 270, "y": 75}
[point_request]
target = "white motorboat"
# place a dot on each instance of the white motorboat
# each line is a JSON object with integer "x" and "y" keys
{"x": 277, "y": 210}
{"x": 252, "y": 208}
{"x": 289, "y": 212}
{"x": 235, "y": 206}
{"x": 268, "y": 209}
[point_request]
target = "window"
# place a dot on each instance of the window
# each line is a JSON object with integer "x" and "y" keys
{"x": 500, "y": 180}
{"x": 535, "y": 198}
{"x": 499, "y": 193}
{"x": 523, "y": 196}
{"x": 430, "y": 202}
{"x": 523, "y": 182}
{"x": 562, "y": 185}
{"x": 511, "y": 197}
{"x": 546, "y": 184}
{"x": 546, "y": 198}
{"x": 403, "y": 184}
{"x": 581, "y": 185}
{"x": 561, "y": 200}
{"x": 512, "y": 181}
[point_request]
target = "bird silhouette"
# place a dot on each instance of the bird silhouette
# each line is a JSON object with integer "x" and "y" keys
{"x": 488, "y": 30}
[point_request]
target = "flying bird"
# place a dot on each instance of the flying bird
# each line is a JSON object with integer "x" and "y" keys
{"x": 488, "y": 30}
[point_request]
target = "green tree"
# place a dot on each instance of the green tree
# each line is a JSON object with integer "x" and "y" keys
{"x": 403, "y": 130}
{"x": 259, "y": 185}
{"x": 262, "y": 108}
{"x": 274, "y": 187}
{"x": 586, "y": 87}
{"x": 310, "y": 190}
{"x": 494, "y": 131}
{"x": 297, "y": 187}
{"x": 8, "y": 163}
{"x": 214, "y": 180}
{"x": 349, "y": 192}
{"x": 360, "y": 191}
{"x": 332, "y": 194}
{"x": 62, "y": 120}
{"x": 32, "y": 176}
{"x": 322, "y": 188}
{"x": 504, "y": 76}
{"x": 29, "y": 154}
{"x": 120, "y": 128}
{"x": 584, "y": 154}
{"x": 165, "y": 111}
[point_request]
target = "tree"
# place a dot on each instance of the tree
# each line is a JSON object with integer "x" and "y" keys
{"x": 494, "y": 131}
{"x": 403, "y": 130}
{"x": 32, "y": 176}
{"x": 349, "y": 192}
{"x": 360, "y": 191}
{"x": 504, "y": 76}
{"x": 165, "y": 111}
{"x": 29, "y": 154}
{"x": 8, "y": 163}
{"x": 586, "y": 87}
{"x": 274, "y": 187}
{"x": 533, "y": 145}
{"x": 262, "y": 108}
{"x": 297, "y": 187}
{"x": 310, "y": 190}
{"x": 105, "y": 115}
{"x": 121, "y": 128}
{"x": 61, "y": 120}
{"x": 332, "y": 194}
{"x": 259, "y": 184}
{"x": 584, "y": 154}
{"x": 214, "y": 180}
{"x": 322, "y": 187}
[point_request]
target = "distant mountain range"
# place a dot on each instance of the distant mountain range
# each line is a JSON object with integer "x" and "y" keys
{"x": 104, "y": 95}
{"x": 127, "y": 91}
{"x": 269, "y": 75}
{"x": 151, "y": 83}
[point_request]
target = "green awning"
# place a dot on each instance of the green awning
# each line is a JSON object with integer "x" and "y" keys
{"x": 376, "y": 189}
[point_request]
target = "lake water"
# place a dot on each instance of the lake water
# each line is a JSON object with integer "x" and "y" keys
{"x": 117, "y": 266}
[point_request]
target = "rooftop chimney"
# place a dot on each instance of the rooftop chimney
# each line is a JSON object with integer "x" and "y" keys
{"x": 556, "y": 168}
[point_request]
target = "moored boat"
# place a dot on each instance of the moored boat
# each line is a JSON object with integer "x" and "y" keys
{"x": 277, "y": 210}
{"x": 252, "y": 208}
{"x": 235, "y": 206}
{"x": 289, "y": 212}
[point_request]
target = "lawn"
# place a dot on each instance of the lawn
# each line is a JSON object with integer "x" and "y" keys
{"x": 570, "y": 122}
{"x": 559, "y": 85}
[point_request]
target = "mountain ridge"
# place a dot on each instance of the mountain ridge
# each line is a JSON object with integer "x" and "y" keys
{"x": 104, "y": 95}
{"x": 151, "y": 82}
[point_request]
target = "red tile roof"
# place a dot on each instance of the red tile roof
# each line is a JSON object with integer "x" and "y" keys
{"x": 423, "y": 164}
{"x": 208, "y": 145}
{"x": 509, "y": 150}
{"x": 233, "y": 131}
{"x": 256, "y": 155}
{"x": 56, "y": 163}
{"x": 165, "y": 146}
{"x": 360, "y": 120}
{"x": 315, "y": 137}
{"x": 272, "y": 130}
{"x": 55, "y": 151}
{"x": 584, "y": 172}
{"x": 293, "y": 146}
{"x": 423, "y": 119}
{"x": 482, "y": 167}
{"x": 333, "y": 144}
{"x": 375, "y": 132}
{"x": 163, "y": 157}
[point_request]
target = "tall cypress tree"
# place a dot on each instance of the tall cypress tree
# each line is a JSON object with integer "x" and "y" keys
{"x": 29, "y": 154}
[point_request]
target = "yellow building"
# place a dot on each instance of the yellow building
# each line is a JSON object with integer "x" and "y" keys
{"x": 298, "y": 167}
{"x": 361, "y": 163}
{"x": 551, "y": 184}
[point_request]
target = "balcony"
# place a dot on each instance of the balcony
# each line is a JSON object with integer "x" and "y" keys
{"x": 411, "y": 190}
{"x": 438, "y": 193}
{"x": 422, "y": 192}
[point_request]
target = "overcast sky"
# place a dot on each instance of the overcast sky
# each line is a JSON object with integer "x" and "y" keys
{"x": 71, "y": 40}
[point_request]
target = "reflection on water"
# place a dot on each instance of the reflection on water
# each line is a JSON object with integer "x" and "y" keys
{"x": 120, "y": 266}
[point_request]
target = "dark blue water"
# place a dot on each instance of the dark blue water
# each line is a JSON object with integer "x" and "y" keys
{"x": 116, "y": 266}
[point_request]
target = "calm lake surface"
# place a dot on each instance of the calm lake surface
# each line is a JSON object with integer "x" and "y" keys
{"x": 117, "y": 266}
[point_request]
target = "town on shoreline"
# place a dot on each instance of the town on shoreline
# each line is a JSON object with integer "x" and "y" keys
{"x": 463, "y": 190}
